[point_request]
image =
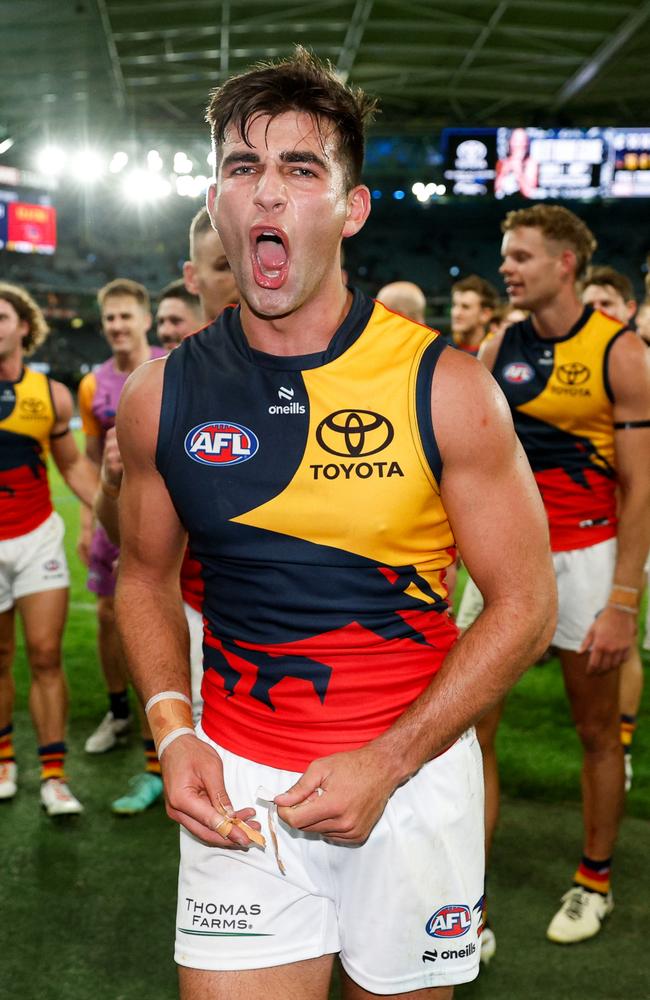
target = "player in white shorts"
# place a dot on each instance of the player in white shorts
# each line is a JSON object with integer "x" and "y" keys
{"x": 333, "y": 684}
{"x": 35, "y": 414}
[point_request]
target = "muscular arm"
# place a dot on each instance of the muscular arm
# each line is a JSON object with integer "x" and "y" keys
{"x": 498, "y": 520}
{"x": 613, "y": 633}
{"x": 149, "y": 608}
{"x": 77, "y": 471}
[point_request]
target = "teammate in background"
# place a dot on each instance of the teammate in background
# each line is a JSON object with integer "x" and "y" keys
{"x": 207, "y": 273}
{"x": 326, "y": 624}
{"x": 612, "y": 292}
{"x": 503, "y": 317}
{"x": 473, "y": 301}
{"x": 35, "y": 414}
{"x": 178, "y": 314}
{"x": 405, "y": 298}
{"x": 126, "y": 319}
{"x": 578, "y": 384}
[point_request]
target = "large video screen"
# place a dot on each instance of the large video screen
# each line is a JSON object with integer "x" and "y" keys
{"x": 549, "y": 163}
{"x": 469, "y": 160}
{"x": 628, "y": 168}
{"x": 27, "y": 227}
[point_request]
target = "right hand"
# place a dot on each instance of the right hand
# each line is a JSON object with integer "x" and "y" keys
{"x": 196, "y": 795}
{"x": 112, "y": 468}
{"x": 83, "y": 545}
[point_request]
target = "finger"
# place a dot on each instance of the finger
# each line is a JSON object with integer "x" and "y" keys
{"x": 316, "y": 810}
{"x": 587, "y": 641}
{"x": 307, "y": 788}
{"x": 204, "y": 833}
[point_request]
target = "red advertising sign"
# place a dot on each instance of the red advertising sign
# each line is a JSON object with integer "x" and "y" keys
{"x": 31, "y": 228}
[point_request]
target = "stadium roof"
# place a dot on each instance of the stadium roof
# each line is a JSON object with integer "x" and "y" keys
{"x": 85, "y": 66}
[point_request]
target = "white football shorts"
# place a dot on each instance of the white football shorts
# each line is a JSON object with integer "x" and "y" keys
{"x": 33, "y": 563}
{"x": 584, "y": 580}
{"x": 403, "y": 910}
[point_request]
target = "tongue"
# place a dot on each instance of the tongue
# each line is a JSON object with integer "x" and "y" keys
{"x": 272, "y": 256}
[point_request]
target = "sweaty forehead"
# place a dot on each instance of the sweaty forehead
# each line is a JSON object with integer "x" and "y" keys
{"x": 288, "y": 130}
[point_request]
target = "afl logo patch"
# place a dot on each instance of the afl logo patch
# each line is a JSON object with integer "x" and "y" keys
{"x": 221, "y": 443}
{"x": 518, "y": 372}
{"x": 354, "y": 433}
{"x": 450, "y": 921}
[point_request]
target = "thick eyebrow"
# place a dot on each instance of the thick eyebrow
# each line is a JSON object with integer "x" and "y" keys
{"x": 290, "y": 156}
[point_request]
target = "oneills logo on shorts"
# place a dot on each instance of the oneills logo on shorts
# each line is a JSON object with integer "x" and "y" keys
{"x": 450, "y": 921}
{"x": 221, "y": 443}
{"x": 518, "y": 372}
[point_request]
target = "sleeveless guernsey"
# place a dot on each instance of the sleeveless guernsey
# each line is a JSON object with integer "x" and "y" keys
{"x": 561, "y": 403}
{"x": 309, "y": 490}
{"x": 26, "y": 420}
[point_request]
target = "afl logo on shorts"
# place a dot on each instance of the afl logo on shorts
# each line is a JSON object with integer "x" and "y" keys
{"x": 450, "y": 921}
{"x": 221, "y": 443}
{"x": 518, "y": 372}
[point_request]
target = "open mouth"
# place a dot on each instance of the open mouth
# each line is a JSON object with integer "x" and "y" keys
{"x": 270, "y": 256}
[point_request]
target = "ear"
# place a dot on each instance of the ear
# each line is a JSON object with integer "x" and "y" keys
{"x": 631, "y": 307}
{"x": 189, "y": 277}
{"x": 358, "y": 210}
{"x": 210, "y": 199}
{"x": 568, "y": 264}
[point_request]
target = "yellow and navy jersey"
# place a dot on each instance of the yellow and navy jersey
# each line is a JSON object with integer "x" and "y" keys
{"x": 562, "y": 405}
{"x": 309, "y": 487}
{"x": 26, "y": 420}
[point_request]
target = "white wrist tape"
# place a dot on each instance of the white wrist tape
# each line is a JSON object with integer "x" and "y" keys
{"x": 173, "y": 695}
{"x": 170, "y": 737}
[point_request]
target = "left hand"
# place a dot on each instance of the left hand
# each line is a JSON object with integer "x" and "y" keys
{"x": 609, "y": 640}
{"x": 341, "y": 796}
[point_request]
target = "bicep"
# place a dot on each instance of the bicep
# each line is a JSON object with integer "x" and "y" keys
{"x": 629, "y": 377}
{"x": 488, "y": 490}
{"x": 152, "y": 537}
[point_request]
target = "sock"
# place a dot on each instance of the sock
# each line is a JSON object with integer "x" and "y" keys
{"x": 628, "y": 725}
{"x": 52, "y": 758}
{"x": 593, "y": 875}
{"x": 7, "y": 745}
{"x": 152, "y": 763}
{"x": 119, "y": 702}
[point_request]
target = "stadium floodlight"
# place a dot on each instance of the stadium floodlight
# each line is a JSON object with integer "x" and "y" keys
{"x": 182, "y": 163}
{"x": 87, "y": 166}
{"x": 6, "y": 145}
{"x": 425, "y": 192}
{"x": 118, "y": 162}
{"x": 144, "y": 186}
{"x": 154, "y": 161}
{"x": 51, "y": 161}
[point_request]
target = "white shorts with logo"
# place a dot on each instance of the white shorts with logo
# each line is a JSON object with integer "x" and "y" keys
{"x": 403, "y": 909}
{"x": 584, "y": 580}
{"x": 33, "y": 563}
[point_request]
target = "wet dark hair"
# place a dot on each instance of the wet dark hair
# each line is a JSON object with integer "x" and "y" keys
{"x": 301, "y": 83}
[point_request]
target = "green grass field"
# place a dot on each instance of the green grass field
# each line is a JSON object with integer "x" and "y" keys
{"x": 88, "y": 903}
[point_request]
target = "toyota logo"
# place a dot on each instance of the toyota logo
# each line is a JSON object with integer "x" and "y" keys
{"x": 574, "y": 373}
{"x": 354, "y": 433}
{"x": 32, "y": 407}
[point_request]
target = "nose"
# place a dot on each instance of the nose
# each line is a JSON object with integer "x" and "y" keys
{"x": 270, "y": 191}
{"x": 504, "y": 268}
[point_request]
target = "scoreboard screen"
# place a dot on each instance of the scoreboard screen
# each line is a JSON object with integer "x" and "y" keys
{"x": 27, "y": 228}
{"x": 550, "y": 163}
{"x": 628, "y": 169}
{"x": 469, "y": 160}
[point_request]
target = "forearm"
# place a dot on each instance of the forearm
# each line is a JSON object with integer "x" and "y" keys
{"x": 633, "y": 536}
{"x": 481, "y": 667}
{"x": 154, "y": 633}
{"x": 106, "y": 512}
{"x": 82, "y": 477}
